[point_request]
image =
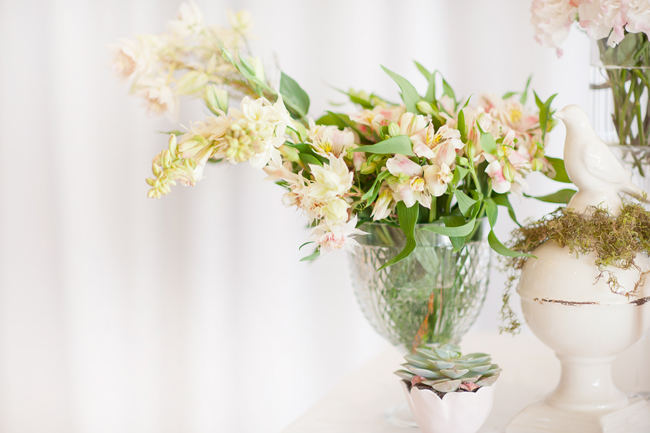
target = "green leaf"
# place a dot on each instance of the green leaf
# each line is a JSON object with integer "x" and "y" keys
{"x": 561, "y": 197}
{"x": 372, "y": 193}
{"x": 431, "y": 80}
{"x": 452, "y": 231}
{"x": 544, "y": 112}
{"x": 308, "y": 158}
{"x": 491, "y": 211}
{"x": 524, "y": 95}
{"x": 459, "y": 174}
{"x": 312, "y": 256}
{"x": 465, "y": 202}
{"x": 338, "y": 119}
{"x": 295, "y": 98}
{"x": 400, "y": 144}
{"x": 330, "y": 119}
{"x": 305, "y": 244}
{"x": 407, "y": 218}
{"x": 560, "y": 170}
{"x": 448, "y": 90}
{"x": 488, "y": 143}
{"x": 503, "y": 200}
{"x": 497, "y": 246}
{"x": 409, "y": 94}
{"x": 462, "y": 127}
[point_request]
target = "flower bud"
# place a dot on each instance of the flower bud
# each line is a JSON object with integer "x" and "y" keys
{"x": 290, "y": 153}
{"x": 368, "y": 167}
{"x": 216, "y": 99}
{"x": 393, "y": 129}
{"x": 425, "y": 107}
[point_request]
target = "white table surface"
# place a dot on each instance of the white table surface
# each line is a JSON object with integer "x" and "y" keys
{"x": 358, "y": 404}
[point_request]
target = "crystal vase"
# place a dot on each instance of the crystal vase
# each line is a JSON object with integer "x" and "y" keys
{"x": 621, "y": 84}
{"x": 434, "y": 295}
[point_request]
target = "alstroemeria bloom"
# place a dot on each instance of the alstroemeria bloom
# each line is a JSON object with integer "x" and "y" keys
{"x": 499, "y": 182}
{"x": 330, "y": 139}
{"x": 411, "y": 124}
{"x": 437, "y": 177}
{"x": 439, "y": 146}
{"x": 378, "y": 116}
{"x": 330, "y": 180}
{"x": 336, "y": 237}
{"x": 189, "y": 20}
{"x": 407, "y": 184}
{"x": 383, "y": 208}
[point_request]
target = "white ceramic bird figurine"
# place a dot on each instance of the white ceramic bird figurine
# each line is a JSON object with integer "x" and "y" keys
{"x": 592, "y": 167}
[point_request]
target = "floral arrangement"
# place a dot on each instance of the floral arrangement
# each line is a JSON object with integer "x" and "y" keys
{"x": 621, "y": 29}
{"x": 431, "y": 158}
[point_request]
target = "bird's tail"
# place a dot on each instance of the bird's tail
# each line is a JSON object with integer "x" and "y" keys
{"x": 637, "y": 193}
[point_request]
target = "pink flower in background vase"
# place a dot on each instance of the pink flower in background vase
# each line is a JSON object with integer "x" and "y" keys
{"x": 638, "y": 16}
{"x": 552, "y": 21}
{"x": 602, "y": 18}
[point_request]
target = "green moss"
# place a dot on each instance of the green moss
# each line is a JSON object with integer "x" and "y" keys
{"x": 615, "y": 241}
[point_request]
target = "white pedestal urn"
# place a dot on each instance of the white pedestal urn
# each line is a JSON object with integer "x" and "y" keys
{"x": 578, "y": 315}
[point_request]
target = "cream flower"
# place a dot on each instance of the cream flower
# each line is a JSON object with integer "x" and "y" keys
{"x": 189, "y": 20}
{"x": 411, "y": 124}
{"x": 437, "y": 177}
{"x": 169, "y": 168}
{"x": 384, "y": 205}
{"x": 331, "y": 180}
{"x": 330, "y": 139}
{"x": 336, "y": 237}
{"x": 158, "y": 96}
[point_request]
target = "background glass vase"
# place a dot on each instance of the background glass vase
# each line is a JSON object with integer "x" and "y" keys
{"x": 621, "y": 84}
{"x": 434, "y": 295}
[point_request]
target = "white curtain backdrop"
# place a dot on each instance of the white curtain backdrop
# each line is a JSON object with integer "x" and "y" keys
{"x": 192, "y": 313}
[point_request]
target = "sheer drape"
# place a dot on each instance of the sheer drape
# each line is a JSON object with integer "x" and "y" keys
{"x": 192, "y": 313}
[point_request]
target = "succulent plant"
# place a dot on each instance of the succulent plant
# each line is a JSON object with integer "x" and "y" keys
{"x": 444, "y": 369}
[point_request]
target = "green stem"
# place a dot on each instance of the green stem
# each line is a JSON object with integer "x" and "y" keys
{"x": 432, "y": 211}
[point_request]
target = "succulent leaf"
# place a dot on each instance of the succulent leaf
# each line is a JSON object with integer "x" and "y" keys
{"x": 444, "y": 368}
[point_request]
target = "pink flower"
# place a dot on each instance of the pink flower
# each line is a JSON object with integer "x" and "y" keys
{"x": 552, "y": 21}
{"x": 401, "y": 165}
{"x": 499, "y": 182}
{"x": 439, "y": 146}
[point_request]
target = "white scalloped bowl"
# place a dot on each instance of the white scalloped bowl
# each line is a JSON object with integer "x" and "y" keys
{"x": 455, "y": 412}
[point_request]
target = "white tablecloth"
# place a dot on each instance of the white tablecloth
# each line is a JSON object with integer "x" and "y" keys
{"x": 359, "y": 403}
